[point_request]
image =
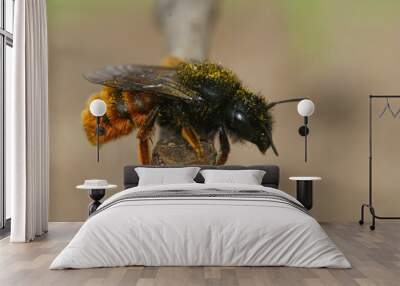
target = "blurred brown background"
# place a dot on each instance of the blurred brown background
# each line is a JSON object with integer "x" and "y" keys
{"x": 335, "y": 52}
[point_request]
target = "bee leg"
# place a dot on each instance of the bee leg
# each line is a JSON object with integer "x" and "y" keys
{"x": 144, "y": 152}
{"x": 191, "y": 136}
{"x": 224, "y": 147}
{"x": 146, "y": 128}
{"x": 145, "y": 133}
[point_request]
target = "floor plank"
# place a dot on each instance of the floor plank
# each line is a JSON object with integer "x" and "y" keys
{"x": 375, "y": 257}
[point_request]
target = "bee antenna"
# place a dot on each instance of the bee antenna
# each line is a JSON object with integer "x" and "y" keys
{"x": 272, "y": 104}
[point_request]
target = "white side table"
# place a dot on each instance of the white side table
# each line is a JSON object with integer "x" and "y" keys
{"x": 304, "y": 190}
{"x": 97, "y": 190}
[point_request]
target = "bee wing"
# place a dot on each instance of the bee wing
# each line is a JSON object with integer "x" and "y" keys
{"x": 151, "y": 79}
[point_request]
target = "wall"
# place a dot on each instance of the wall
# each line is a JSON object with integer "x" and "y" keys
{"x": 335, "y": 52}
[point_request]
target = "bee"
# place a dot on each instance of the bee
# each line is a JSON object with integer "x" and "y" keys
{"x": 192, "y": 100}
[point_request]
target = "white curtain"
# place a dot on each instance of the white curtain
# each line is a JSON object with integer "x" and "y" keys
{"x": 27, "y": 143}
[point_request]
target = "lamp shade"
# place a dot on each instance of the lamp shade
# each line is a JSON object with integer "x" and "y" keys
{"x": 305, "y": 107}
{"x": 98, "y": 107}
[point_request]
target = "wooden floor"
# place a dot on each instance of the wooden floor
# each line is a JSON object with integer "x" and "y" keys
{"x": 375, "y": 257}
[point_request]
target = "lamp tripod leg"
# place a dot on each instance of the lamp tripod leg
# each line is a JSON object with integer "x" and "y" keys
{"x": 361, "y": 221}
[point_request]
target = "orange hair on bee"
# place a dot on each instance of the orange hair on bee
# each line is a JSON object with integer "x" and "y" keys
{"x": 113, "y": 124}
{"x": 171, "y": 61}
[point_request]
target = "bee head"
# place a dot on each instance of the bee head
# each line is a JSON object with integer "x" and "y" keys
{"x": 248, "y": 118}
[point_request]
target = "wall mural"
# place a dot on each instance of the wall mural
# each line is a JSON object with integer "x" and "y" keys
{"x": 192, "y": 103}
{"x": 335, "y": 52}
{"x": 192, "y": 100}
